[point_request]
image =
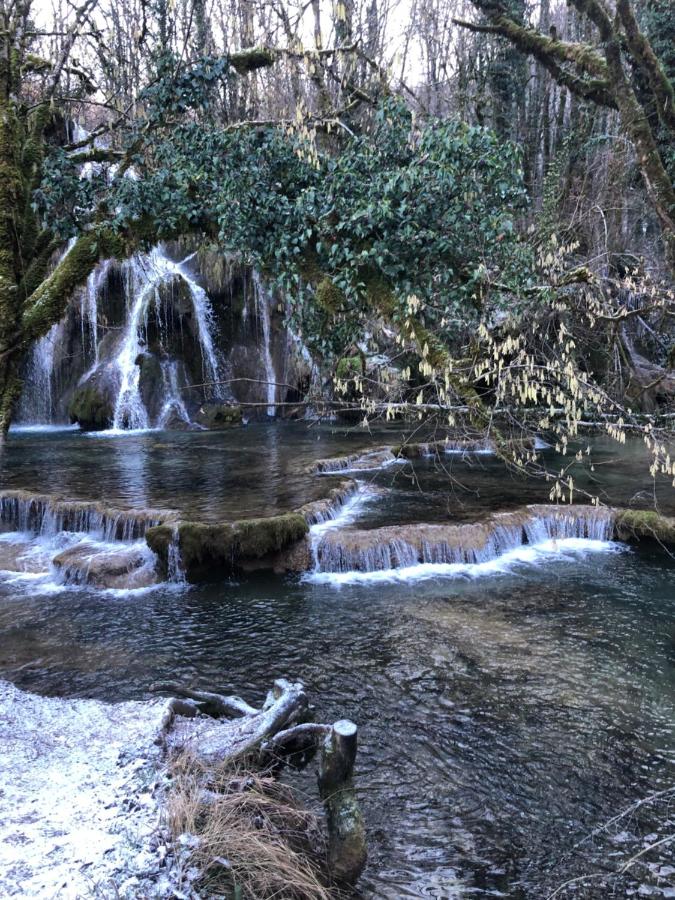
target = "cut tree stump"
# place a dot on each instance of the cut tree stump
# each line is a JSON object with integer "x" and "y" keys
{"x": 267, "y": 737}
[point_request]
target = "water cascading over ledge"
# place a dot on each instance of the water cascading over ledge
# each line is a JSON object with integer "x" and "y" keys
{"x": 76, "y": 542}
{"x": 166, "y": 339}
{"x": 405, "y": 546}
{"x": 41, "y": 514}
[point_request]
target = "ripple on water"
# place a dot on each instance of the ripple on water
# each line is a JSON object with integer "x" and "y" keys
{"x": 501, "y": 720}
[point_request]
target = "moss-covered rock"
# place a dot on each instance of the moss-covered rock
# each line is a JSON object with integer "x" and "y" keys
{"x": 218, "y": 415}
{"x": 91, "y": 407}
{"x": 158, "y": 539}
{"x": 211, "y": 548}
{"x": 640, "y": 524}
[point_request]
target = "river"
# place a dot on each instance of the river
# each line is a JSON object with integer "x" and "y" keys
{"x": 506, "y": 711}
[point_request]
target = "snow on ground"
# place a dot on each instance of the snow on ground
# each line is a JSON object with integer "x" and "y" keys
{"x": 79, "y": 809}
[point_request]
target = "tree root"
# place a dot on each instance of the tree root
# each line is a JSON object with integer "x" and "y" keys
{"x": 269, "y": 736}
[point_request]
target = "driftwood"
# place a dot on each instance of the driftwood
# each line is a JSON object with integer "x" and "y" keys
{"x": 270, "y": 735}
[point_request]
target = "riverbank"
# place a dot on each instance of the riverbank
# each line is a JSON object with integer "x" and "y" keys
{"x": 79, "y": 797}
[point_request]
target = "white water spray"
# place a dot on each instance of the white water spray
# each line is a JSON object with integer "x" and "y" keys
{"x": 263, "y": 301}
{"x": 145, "y": 274}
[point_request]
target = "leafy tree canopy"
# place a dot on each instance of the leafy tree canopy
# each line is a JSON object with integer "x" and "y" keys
{"x": 429, "y": 209}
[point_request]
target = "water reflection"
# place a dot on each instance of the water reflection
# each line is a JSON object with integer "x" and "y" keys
{"x": 262, "y": 469}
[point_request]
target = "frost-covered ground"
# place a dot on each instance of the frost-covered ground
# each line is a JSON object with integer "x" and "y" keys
{"x": 79, "y": 798}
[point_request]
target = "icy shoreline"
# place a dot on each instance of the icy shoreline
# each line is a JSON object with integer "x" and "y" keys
{"x": 79, "y": 797}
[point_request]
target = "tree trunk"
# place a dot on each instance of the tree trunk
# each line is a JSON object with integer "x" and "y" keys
{"x": 344, "y": 821}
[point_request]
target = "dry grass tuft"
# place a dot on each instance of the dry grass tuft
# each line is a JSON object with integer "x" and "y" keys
{"x": 248, "y": 836}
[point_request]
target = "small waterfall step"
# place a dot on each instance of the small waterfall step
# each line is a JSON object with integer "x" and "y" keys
{"x": 403, "y": 546}
{"x": 45, "y": 539}
{"x": 43, "y": 514}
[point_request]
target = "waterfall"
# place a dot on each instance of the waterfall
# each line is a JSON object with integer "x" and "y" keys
{"x": 332, "y": 513}
{"x": 37, "y": 402}
{"x": 130, "y": 410}
{"x": 408, "y": 547}
{"x": 377, "y": 458}
{"x": 75, "y": 543}
{"x": 174, "y": 404}
{"x": 40, "y": 514}
{"x": 175, "y": 569}
{"x": 89, "y": 311}
{"x": 205, "y": 320}
{"x": 263, "y": 302}
{"x": 145, "y": 274}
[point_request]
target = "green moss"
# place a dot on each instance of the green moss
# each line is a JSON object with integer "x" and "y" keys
{"x": 90, "y": 408}
{"x": 225, "y": 545}
{"x": 158, "y": 539}
{"x": 219, "y": 415}
{"x": 258, "y": 537}
{"x": 637, "y": 524}
{"x": 328, "y": 295}
{"x": 349, "y": 366}
{"x": 9, "y": 397}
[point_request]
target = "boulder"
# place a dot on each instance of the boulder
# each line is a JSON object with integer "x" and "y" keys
{"x": 125, "y": 568}
{"x": 91, "y": 407}
{"x": 218, "y": 415}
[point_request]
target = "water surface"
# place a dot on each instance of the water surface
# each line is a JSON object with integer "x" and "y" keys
{"x": 501, "y": 718}
{"x": 504, "y": 714}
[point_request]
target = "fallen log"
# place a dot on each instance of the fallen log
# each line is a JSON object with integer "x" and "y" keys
{"x": 223, "y": 730}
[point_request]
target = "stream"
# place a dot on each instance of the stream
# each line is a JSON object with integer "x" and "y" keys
{"x": 506, "y": 710}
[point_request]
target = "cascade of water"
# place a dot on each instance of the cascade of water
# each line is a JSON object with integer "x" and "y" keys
{"x": 173, "y": 404}
{"x": 37, "y": 402}
{"x": 205, "y": 320}
{"x": 263, "y": 301}
{"x": 400, "y": 547}
{"x": 89, "y": 310}
{"x": 39, "y": 514}
{"x": 175, "y": 568}
{"x": 130, "y": 411}
{"x": 326, "y": 516}
{"x": 145, "y": 274}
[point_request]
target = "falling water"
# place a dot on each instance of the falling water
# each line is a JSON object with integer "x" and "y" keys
{"x": 145, "y": 274}
{"x": 413, "y": 547}
{"x": 175, "y": 569}
{"x": 173, "y": 404}
{"x": 37, "y": 402}
{"x": 262, "y": 302}
{"x": 89, "y": 310}
{"x": 205, "y": 319}
{"x": 130, "y": 411}
{"x": 37, "y": 406}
